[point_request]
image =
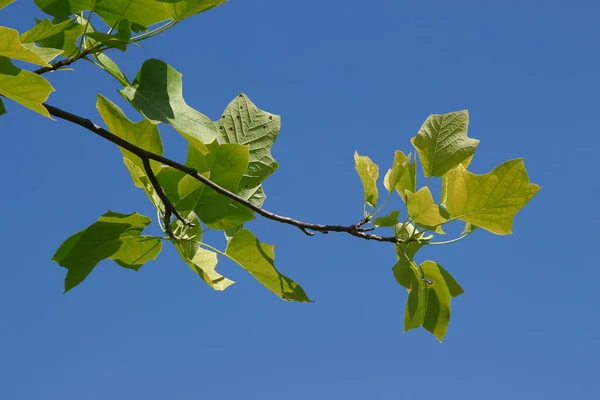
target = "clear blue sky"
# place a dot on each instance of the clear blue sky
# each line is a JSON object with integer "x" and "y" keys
{"x": 345, "y": 76}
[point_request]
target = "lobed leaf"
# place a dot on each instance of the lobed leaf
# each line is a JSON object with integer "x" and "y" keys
{"x": 394, "y": 175}
{"x": 368, "y": 172}
{"x": 258, "y": 259}
{"x": 389, "y": 220}
{"x": 115, "y": 236}
{"x": 24, "y": 87}
{"x": 443, "y": 144}
{"x": 492, "y": 200}
{"x": 4, "y": 3}
{"x": 408, "y": 180}
{"x": 2, "y": 108}
{"x": 244, "y": 123}
{"x": 66, "y": 40}
{"x": 45, "y": 29}
{"x": 423, "y": 211}
{"x": 11, "y": 47}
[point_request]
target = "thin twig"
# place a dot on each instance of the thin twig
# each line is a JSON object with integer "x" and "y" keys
{"x": 65, "y": 62}
{"x": 145, "y": 154}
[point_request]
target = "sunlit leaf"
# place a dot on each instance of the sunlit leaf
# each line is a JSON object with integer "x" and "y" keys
{"x": 244, "y": 123}
{"x": 492, "y": 200}
{"x": 11, "y": 47}
{"x": 46, "y": 53}
{"x": 179, "y": 10}
{"x": 24, "y": 87}
{"x": 389, "y": 220}
{"x": 258, "y": 259}
{"x": 443, "y": 144}
{"x": 423, "y": 211}
{"x": 394, "y": 174}
{"x": 157, "y": 93}
{"x": 4, "y": 3}
{"x": 368, "y": 172}
{"x": 408, "y": 180}
{"x": 115, "y": 236}
{"x": 45, "y": 29}
{"x": 111, "y": 67}
{"x": 67, "y": 39}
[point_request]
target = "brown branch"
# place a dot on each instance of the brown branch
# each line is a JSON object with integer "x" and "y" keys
{"x": 65, "y": 62}
{"x": 354, "y": 230}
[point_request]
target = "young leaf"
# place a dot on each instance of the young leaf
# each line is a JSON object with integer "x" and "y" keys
{"x": 258, "y": 259}
{"x": 389, "y": 220}
{"x": 11, "y": 47}
{"x": 423, "y": 211}
{"x": 67, "y": 40}
{"x": 443, "y": 144}
{"x": 368, "y": 172}
{"x": 244, "y": 123}
{"x": 441, "y": 288}
{"x": 406, "y": 274}
{"x": 408, "y": 181}
{"x": 202, "y": 261}
{"x": 492, "y": 200}
{"x": 157, "y": 93}
{"x": 115, "y": 236}
{"x": 394, "y": 174}
{"x": 24, "y": 87}
{"x": 45, "y": 29}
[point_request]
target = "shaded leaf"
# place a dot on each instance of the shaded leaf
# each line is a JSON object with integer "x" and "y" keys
{"x": 443, "y": 144}
{"x": 394, "y": 174}
{"x": 2, "y": 108}
{"x": 244, "y": 123}
{"x": 11, "y": 47}
{"x": 368, "y": 172}
{"x": 115, "y": 236}
{"x": 423, "y": 211}
{"x": 46, "y": 53}
{"x": 111, "y": 67}
{"x": 24, "y": 87}
{"x": 492, "y": 200}
{"x": 258, "y": 259}
{"x": 66, "y": 40}
{"x": 389, "y": 220}
{"x": 157, "y": 93}
{"x": 45, "y": 29}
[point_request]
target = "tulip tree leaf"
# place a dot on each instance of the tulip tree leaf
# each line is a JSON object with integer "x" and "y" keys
{"x": 408, "y": 180}
{"x": 388, "y": 220}
{"x": 443, "y": 144}
{"x": 394, "y": 174}
{"x": 157, "y": 93}
{"x": 67, "y": 40}
{"x": 258, "y": 259}
{"x": 115, "y": 236}
{"x": 368, "y": 172}
{"x": 4, "y": 3}
{"x": 45, "y": 29}
{"x": 24, "y": 87}
{"x": 179, "y": 10}
{"x": 244, "y": 123}
{"x": 492, "y": 200}
{"x": 11, "y": 47}
{"x": 46, "y": 53}
{"x": 423, "y": 211}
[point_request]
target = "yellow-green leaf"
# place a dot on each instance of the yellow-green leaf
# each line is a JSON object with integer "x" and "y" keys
{"x": 2, "y": 108}
{"x": 443, "y": 144}
{"x": 11, "y": 47}
{"x": 368, "y": 172}
{"x": 408, "y": 181}
{"x": 45, "y": 29}
{"x": 423, "y": 211}
{"x": 4, "y": 3}
{"x": 24, "y": 87}
{"x": 258, "y": 259}
{"x": 394, "y": 174}
{"x": 388, "y": 220}
{"x": 492, "y": 200}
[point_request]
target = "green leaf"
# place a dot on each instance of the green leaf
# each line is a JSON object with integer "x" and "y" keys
{"x": 492, "y": 200}
{"x": 11, "y": 47}
{"x": 143, "y": 134}
{"x": 179, "y": 10}
{"x": 394, "y": 174}
{"x": 202, "y": 261}
{"x": 423, "y": 211}
{"x": 157, "y": 93}
{"x": 389, "y": 220}
{"x": 2, "y": 108}
{"x": 368, "y": 172}
{"x": 244, "y": 123}
{"x": 115, "y": 236}
{"x": 66, "y": 40}
{"x": 4, "y": 3}
{"x": 408, "y": 181}
{"x": 46, "y": 53}
{"x": 45, "y": 29}
{"x": 112, "y": 68}
{"x": 24, "y": 87}
{"x": 443, "y": 144}
{"x": 441, "y": 288}
{"x": 258, "y": 259}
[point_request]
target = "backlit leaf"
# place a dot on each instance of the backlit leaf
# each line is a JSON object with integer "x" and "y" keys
{"x": 443, "y": 144}
{"x": 408, "y": 181}
{"x": 4, "y": 3}
{"x": 45, "y": 29}
{"x": 24, "y": 87}
{"x": 368, "y": 172}
{"x": 423, "y": 211}
{"x": 394, "y": 174}
{"x": 492, "y": 200}
{"x": 115, "y": 236}
{"x": 258, "y": 259}
{"x": 66, "y": 40}
{"x": 11, "y": 47}
{"x": 389, "y": 220}
{"x": 244, "y": 123}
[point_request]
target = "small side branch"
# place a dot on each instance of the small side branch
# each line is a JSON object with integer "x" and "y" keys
{"x": 355, "y": 230}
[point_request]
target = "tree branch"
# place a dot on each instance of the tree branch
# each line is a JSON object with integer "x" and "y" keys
{"x": 65, "y": 62}
{"x": 354, "y": 230}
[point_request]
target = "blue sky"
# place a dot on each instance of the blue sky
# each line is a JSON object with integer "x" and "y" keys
{"x": 345, "y": 76}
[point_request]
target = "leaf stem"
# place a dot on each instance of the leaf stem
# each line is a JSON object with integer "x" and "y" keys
{"x": 461, "y": 237}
